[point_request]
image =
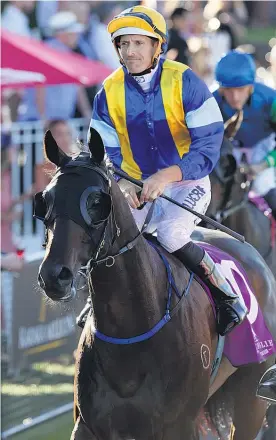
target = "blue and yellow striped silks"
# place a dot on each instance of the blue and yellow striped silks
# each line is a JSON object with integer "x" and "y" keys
{"x": 171, "y": 90}
{"x": 114, "y": 88}
{"x": 176, "y": 122}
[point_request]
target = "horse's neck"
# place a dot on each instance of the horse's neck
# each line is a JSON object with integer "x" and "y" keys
{"x": 128, "y": 295}
{"x": 248, "y": 221}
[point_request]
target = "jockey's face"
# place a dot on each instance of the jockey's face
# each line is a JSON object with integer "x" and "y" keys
{"x": 137, "y": 52}
{"x": 236, "y": 97}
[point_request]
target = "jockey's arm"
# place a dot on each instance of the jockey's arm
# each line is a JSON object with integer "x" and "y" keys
{"x": 101, "y": 122}
{"x": 205, "y": 124}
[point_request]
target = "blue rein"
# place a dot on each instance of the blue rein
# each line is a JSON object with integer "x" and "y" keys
{"x": 168, "y": 313}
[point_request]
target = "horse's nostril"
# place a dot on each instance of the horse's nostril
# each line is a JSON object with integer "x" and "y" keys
{"x": 65, "y": 274}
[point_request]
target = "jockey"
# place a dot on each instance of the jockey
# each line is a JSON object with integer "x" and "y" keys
{"x": 250, "y": 107}
{"x": 160, "y": 123}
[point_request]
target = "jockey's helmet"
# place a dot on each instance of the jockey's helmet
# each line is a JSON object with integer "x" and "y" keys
{"x": 140, "y": 20}
{"x": 236, "y": 69}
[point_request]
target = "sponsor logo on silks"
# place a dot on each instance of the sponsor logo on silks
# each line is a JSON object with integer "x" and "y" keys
{"x": 194, "y": 196}
{"x": 140, "y": 79}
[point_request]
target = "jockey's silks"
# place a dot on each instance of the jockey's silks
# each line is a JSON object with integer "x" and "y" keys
{"x": 259, "y": 118}
{"x": 177, "y": 122}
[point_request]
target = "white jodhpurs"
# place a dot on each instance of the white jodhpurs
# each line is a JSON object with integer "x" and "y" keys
{"x": 172, "y": 224}
{"x": 265, "y": 180}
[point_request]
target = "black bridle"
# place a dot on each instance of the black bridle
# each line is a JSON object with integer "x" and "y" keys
{"x": 108, "y": 223}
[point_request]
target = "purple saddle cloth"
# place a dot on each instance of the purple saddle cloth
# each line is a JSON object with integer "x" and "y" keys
{"x": 251, "y": 341}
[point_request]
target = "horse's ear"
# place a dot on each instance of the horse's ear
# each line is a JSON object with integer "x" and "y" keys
{"x": 52, "y": 151}
{"x": 96, "y": 146}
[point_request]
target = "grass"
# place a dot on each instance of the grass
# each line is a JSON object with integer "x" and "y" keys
{"x": 59, "y": 428}
{"x": 40, "y": 388}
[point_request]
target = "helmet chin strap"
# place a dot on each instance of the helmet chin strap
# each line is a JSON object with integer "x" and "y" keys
{"x": 148, "y": 70}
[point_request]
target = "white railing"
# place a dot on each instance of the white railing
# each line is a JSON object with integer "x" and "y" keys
{"x": 27, "y": 137}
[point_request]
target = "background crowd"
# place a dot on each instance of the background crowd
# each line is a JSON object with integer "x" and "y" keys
{"x": 200, "y": 32}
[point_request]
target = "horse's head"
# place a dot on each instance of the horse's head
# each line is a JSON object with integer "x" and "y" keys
{"x": 222, "y": 177}
{"x": 77, "y": 210}
{"x": 230, "y": 183}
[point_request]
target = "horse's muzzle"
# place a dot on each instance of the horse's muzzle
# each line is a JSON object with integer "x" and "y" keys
{"x": 56, "y": 281}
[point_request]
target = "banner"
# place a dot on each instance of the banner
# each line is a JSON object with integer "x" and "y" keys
{"x": 41, "y": 330}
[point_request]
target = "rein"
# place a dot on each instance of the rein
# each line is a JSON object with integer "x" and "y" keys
{"x": 203, "y": 217}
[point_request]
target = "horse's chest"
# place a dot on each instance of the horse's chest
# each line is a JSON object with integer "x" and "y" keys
{"x": 129, "y": 406}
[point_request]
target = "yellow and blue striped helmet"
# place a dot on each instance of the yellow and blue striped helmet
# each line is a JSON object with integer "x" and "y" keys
{"x": 140, "y": 20}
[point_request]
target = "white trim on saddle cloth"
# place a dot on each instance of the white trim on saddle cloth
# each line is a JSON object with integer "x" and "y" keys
{"x": 251, "y": 341}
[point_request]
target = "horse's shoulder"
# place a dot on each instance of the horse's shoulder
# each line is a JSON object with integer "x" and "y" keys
{"x": 180, "y": 273}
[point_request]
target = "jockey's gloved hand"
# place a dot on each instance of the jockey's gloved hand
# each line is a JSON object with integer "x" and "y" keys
{"x": 130, "y": 192}
{"x": 155, "y": 185}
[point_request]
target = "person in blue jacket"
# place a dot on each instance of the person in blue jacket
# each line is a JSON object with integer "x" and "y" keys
{"x": 160, "y": 123}
{"x": 249, "y": 112}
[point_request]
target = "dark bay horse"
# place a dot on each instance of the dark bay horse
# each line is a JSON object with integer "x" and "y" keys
{"x": 231, "y": 205}
{"x": 154, "y": 389}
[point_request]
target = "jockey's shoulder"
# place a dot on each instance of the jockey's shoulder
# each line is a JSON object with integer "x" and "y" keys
{"x": 174, "y": 66}
{"x": 263, "y": 91}
{"x": 115, "y": 76}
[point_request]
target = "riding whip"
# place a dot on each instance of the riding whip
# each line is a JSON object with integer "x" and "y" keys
{"x": 201, "y": 216}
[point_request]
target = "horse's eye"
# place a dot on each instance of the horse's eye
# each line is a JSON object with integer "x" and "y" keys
{"x": 93, "y": 200}
{"x": 95, "y": 206}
